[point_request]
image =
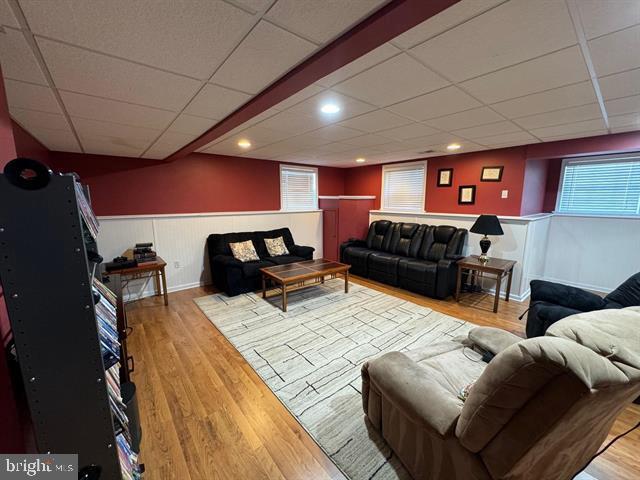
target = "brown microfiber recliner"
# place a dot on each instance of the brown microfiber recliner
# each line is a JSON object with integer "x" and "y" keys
{"x": 539, "y": 410}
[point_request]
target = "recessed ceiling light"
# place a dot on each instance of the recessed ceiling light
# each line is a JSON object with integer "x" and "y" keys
{"x": 361, "y": 160}
{"x": 453, "y": 147}
{"x": 244, "y": 143}
{"x": 330, "y": 108}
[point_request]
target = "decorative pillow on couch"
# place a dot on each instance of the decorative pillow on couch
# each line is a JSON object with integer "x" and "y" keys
{"x": 276, "y": 246}
{"x": 244, "y": 251}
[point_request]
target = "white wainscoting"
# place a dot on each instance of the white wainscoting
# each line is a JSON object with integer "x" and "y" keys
{"x": 596, "y": 253}
{"x": 181, "y": 240}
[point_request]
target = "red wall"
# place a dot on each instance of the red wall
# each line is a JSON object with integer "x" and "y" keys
{"x": 535, "y": 187}
{"x": 364, "y": 181}
{"x": 27, "y": 146}
{"x": 196, "y": 183}
{"x": 7, "y": 145}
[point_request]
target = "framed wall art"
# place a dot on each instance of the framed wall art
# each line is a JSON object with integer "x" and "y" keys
{"x": 491, "y": 174}
{"x": 466, "y": 195}
{"x": 445, "y": 177}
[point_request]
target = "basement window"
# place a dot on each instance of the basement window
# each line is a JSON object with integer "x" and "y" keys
{"x": 600, "y": 186}
{"x": 404, "y": 186}
{"x": 298, "y": 188}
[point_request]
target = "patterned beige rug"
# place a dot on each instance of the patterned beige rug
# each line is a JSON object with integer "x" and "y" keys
{"x": 310, "y": 357}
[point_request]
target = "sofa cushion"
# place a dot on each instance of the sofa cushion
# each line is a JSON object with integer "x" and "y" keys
{"x": 379, "y": 234}
{"x": 358, "y": 258}
{"x": 416, "y": 270}
{"x": 284, "y": 259}
{"x": 252, "y": 269}
{"x": 402, "y": 237}
{"x": 384, "y": 262}
{"x": 626, "y": 295}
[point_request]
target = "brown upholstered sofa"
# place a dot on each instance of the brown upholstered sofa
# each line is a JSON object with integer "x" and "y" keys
{"x": 539, "y": 409}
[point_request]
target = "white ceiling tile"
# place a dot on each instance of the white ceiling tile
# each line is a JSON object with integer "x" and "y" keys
{"x": 260, "y": 117}
{"x": 291, "y": 123}
{"x": 335, "y": 147}
{"x": 190, "y": 125}
{"x": 101, "y": 145}
{"x": 266, "y": 54}
{"x": 511, "y": 33}
{"x": 375, "y": 121}
{"x": 569, "y": 129}
{"x": 616, "y": 52}
{"x": 335, "y": 133}
{"x": 620, "y": 106}
{"x": 446, "y": 19}
{"x": 550, "y": 71}
{"x": 408, "y": 131}
{"x": 167, "y": 144}
{"x": 321, "y": 21}
{"x": 600, "y": 17}
{"x": 56, "y": 140}
{"x": 628, "y": 120}
{"x": 465, "y": 147}
{"x": 507, "y": 138}
{"x": 568, "y": 136}
{"x": 392, "y": 147}
{"x": 487, "y": 130}
{"x": 435, "y": 139}
{"x": 349, "y": 107}
{"x": 32, "y": 120}
{"x": 105, "y": 132}
{"x": 620, "y": 85}
{"x": 261, "y": 135}
{"x": 255, "y": 5}
{"x": 97, "y": 108}
{"x": 392, "y": 81}
{"x": 17, "y": 58}
{"x": 559, "y": 117}
{"x": 375, "y": 56}
{"x": 6, "y": 15}
{"x": 273, "y": 150}
{"x": 626, "y": 128}
{"x": 216, "y": 102}
{"x": 82, "y": 71}
{"x": 366, "y": 140}
{"x": 468, "y": 118}
{"x": 189, "y": 39}
{"x": 436, "y": 104}
{"x": 557, "y": 98}
{"x": 298, "y": 97}
{"x": 31, "y": 97}
{"x": 514, "y": 143}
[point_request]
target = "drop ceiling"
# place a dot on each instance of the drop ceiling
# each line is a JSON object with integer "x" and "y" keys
{"x": 482, "y": 73}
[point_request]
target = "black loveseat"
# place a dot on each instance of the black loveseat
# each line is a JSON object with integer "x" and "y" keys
{"x": 551, "y": 302}
{"x": 235, "y": 277}
{"x": 420, "y": 258}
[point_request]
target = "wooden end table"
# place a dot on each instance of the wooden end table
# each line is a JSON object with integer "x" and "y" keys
{"x": 495, "y": 266}
{"x": 153, "y": 269}
{"x": 293, "y": 276}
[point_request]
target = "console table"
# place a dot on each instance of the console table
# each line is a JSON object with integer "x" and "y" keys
{"x": 494, "y": 266}
{"x": 153, "y": 269}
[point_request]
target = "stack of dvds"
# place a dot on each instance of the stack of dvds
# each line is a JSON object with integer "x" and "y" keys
{"x": 107, "y": 326}
{"x": 88, "y": 216}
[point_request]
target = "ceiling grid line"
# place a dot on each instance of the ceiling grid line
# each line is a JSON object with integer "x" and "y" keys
{"x": 586, "y": 54}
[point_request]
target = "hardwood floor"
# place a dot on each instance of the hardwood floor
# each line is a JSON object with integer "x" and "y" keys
{"x": 207, "y": 415}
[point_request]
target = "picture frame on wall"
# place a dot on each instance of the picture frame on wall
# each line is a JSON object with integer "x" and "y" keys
{"x": 491, "y": 174}
{"x": 466, "y": 195}
{"x": 445, "y": 177}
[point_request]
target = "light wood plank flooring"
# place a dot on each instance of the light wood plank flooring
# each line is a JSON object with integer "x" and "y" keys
{"x": 207, "y": 415}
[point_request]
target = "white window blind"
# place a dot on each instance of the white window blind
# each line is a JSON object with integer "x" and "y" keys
{"x": 403, "y": 187}
{"x": 298, "y": 188}
{"x": 601, "y": 186}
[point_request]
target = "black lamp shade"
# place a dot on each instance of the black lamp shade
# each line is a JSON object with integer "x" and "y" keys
{"x": 487, "y": 225}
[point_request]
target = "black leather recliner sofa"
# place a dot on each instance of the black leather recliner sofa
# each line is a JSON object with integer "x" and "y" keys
{"x": 551, "y": 302}
{"x": 420, "y": 258}
{"x": 235, "y": 277}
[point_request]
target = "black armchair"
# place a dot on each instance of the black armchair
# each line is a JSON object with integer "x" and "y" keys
{"x": 551, "y": 302}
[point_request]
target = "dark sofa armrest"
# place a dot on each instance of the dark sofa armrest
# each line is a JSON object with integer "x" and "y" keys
{"x": 352, "y": 242}
{"x": 447, "y": 275}
{"x": 565, "y": 296}
{"x": 302, "y": 251}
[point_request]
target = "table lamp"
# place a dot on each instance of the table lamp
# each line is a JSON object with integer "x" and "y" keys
{"x": 486, "y": 225}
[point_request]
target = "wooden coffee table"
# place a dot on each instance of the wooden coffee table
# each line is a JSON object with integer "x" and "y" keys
{"x": 295, "y": 276}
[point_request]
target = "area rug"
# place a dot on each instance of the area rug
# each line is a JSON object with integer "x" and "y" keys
{"x": 310, "y": 357}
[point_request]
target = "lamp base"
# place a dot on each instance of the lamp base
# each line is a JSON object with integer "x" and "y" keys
{"x": 485, "y": 243}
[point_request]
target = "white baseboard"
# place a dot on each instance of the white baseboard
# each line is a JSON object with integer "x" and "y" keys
{"x": 584, "y": 286}
{"x": 149, "y": 291}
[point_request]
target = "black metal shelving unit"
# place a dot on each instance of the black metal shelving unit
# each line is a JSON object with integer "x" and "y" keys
{"x": 46, "y": 266}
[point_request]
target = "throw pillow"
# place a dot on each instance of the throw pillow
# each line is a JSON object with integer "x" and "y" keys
{"x": 276, "y": 246}
{"x": 244, "y": 251}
